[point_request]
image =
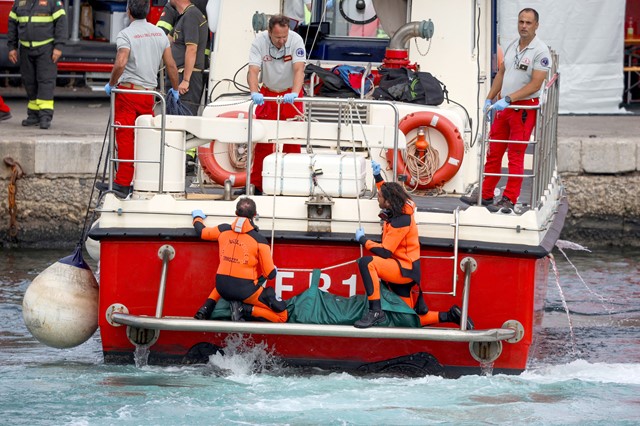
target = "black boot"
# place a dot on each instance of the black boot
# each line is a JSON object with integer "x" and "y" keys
{"x": 374, "y": 315}
{"x": 205, "y": 311}
{"x": 33, "y": 118}
{"x": 45, "y": 122}
{"x": 454, "y": 315}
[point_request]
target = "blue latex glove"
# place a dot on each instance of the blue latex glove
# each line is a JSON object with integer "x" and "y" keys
{"x": 487, "y": 105}
{"x": 500, "y": 105}
{"x": 198, "y": 213}
{"x": 359, "y": 234}
{"x": 107, "y": 88}
{"x": 174, "y": 93}
{"x": 257, "y": 98}
{"x": 375, "y": 166}
{"x": 290, "y": 97}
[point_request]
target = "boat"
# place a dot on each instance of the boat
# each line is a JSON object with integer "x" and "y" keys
{"x": 155, "y": 273}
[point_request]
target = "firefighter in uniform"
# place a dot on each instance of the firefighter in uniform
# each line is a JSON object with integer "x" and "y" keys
{"x": 39, "y": 29}
{"x": 245, "y": 262}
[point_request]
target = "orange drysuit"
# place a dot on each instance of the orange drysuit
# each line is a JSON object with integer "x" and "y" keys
{"x": 244, "y": 259}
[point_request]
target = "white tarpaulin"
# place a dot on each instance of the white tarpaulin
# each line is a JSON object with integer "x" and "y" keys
{"x": 588, "y": 35}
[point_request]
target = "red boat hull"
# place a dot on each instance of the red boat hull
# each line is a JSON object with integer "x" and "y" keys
{"x": 503, "y": 287}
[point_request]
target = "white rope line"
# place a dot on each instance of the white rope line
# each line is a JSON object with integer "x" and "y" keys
{"x": 322, "y": 269}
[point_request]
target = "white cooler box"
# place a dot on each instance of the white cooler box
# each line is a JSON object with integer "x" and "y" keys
{"x": 341, "y": 176}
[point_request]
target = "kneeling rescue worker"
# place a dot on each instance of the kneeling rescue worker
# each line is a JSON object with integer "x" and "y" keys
{"x": 245, "y": 260}
{"x": 396, "y": 259}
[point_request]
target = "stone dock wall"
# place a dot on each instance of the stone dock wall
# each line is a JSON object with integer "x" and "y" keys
{"x": 601, "y": 175}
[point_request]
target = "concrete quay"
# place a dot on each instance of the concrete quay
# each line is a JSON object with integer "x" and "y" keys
{"x": 599, "y": 160}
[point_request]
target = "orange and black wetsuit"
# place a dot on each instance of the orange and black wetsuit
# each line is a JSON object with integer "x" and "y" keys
{"x": 396, "y": 260}
{"x": 244, "y": 258}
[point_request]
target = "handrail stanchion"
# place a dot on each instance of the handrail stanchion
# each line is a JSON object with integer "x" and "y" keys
{"x": 112, "y": 138}
{"x": 249, "y": 147}
{"x": 468, "y": 265}
{"x": 483, "y": 150}
{"x": 166, "y": 253}
{"x": 113, "y": 126}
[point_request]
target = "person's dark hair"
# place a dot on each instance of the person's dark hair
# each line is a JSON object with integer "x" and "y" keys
{"x": 246, "y": 207}
{"x": 278, "y": 20}
{"x": 139, "y": 9}
{"x": 535, "y": 12}
{"x": 395, "y": 194}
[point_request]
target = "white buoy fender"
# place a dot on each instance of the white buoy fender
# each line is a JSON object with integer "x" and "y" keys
{"x": 93, "y": 246}
{"x": 60, "y": 306}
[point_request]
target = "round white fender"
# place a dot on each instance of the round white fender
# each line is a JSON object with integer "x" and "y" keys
{"x": 60, "y": 307}
{"x": 93, "y": 246}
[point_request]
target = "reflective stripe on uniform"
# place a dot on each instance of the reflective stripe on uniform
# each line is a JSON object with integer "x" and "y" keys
{"x": 33, "y": 105}
{"x": 44, "y": 104}
{"x": 167, "y": 26}
{"x": 239, "y": 222}
{"x": 36, "y": 43}
{"x": 58, "y": 13}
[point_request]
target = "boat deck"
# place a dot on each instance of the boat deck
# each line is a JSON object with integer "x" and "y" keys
{"x": 426, "y": 200}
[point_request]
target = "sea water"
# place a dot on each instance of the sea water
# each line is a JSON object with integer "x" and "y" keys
{"x": 593, "y": 380}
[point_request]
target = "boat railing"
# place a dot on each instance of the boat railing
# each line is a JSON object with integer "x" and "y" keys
{"x": 113, "y": 160}
{"x": 340, "y": 103}
{"x": 544, "y": 140}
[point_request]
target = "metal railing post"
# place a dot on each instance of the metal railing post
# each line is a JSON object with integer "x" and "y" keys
{"x": 166, "y": 253}
{"x": 468, "y": 265}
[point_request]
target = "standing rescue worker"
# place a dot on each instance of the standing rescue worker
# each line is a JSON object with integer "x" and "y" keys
{"x": 280, "y": 55}
{"x": 396, "y": 259}
{"x": 245, "y": 261}
{"x": 526, "y": 64}
{"x": 190, "y": 35}
{"x": 142, "y": 48}
{"x": 38, "y": 28}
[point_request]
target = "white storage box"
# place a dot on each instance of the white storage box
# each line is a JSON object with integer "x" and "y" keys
{"x": 341, "y": 175}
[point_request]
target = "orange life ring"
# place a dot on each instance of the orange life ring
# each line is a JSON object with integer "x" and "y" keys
{"x": 210, "y": 165}
{"x": 449, "y": 131}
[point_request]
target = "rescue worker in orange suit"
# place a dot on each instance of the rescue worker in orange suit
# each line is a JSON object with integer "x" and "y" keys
{"x": 245, "y": 260}
{"x": 396, "y": 259}
{"x": 280, "y": 55}
{"x": 39, "y": 29}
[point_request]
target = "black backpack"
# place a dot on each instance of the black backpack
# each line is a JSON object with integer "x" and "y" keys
{"x": 405, "y": 85}
{"x": 333, "y": 86}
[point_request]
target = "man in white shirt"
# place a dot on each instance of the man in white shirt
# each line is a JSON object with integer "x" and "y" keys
{"x": 280, "y": 56}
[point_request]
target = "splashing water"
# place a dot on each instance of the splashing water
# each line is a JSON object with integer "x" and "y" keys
{"x": 141, "y": 356}
{"x": 574, "y": 351}
{"x": 243, "y": 356}
{"x": 486, "y": 369}
{"x": 563, "y": 244}
{"x": 560, "y": 244}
